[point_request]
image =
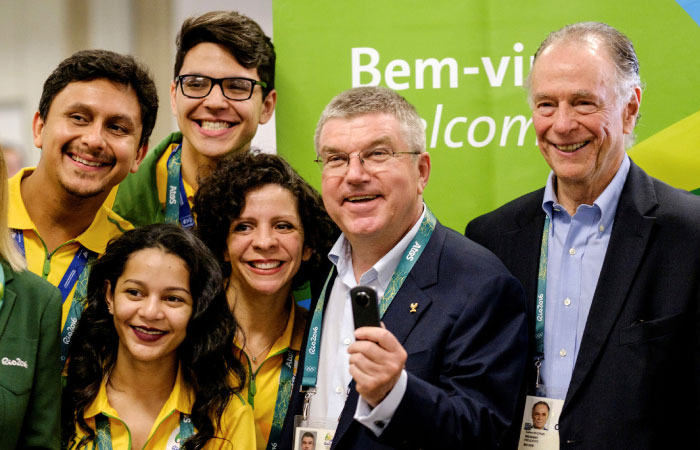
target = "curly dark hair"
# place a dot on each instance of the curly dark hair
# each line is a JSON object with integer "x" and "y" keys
{"x": 88, "y": 65}
{"x": 221, "y": 198}
{"x": 238, "y": 34}
{"x": 206, "y": 356}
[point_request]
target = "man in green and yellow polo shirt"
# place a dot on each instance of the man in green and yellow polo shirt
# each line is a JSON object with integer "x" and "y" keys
{"x": 96, "y": 113}
{"x": 223, "y": 88}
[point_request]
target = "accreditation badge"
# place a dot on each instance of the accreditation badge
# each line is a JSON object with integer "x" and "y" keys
{"x": 540, "y": 429}
{"x": 313, "y": 434}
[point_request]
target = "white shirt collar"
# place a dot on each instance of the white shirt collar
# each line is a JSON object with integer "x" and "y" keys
{"x": 382, "y": 270}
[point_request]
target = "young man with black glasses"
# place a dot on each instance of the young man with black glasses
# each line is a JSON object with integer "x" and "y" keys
{"x": 223, "y": 88}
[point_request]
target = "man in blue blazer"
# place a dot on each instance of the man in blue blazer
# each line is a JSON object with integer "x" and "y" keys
{"x": 617, "y": 254}
{"x": 445, "y": 370}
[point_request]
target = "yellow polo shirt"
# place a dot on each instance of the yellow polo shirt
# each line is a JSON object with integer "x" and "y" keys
{"x": 267, "y": 376}
{"x": 237, "y": 429}
{"x": 52, "y": 266}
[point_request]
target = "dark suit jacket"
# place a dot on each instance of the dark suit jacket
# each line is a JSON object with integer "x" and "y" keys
{"x": 30, "y": 397}
{"x": 466, "y": 350}
{"x": 640, "y": 352}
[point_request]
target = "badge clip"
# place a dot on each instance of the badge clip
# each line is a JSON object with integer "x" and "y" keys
{"x": 307, "y": 403}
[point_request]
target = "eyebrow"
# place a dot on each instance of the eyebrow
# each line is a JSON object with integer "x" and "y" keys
{"x": 383, "y": 140}
{"x": 82, "y": 107}
{"x": 169, "y": 288}
{"x": 581, "y": 93}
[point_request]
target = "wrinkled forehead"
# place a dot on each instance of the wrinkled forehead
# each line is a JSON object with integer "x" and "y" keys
{"x": 360, "y": 132}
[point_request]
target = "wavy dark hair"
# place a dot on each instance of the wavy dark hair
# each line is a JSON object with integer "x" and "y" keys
{"x": 221, "y": 198}
{"x": 206, "y": 356}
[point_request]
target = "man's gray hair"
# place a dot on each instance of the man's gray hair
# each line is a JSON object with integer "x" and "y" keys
{"x": 375, "y": 100}
{"x": 619, "y": 47}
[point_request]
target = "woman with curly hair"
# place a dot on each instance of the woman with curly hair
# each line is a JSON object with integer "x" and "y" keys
{"x": 270, "y": 233}
{"x": 151, "y": 362}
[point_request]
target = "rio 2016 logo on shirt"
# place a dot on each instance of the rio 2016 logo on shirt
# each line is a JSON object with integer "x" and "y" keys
{"x": 14, "y": 362}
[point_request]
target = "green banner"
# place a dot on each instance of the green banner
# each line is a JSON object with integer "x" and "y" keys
{"x": 463, "y": 65}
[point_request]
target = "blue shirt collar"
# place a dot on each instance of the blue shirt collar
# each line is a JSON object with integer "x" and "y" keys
{"x": 606, "y": 201}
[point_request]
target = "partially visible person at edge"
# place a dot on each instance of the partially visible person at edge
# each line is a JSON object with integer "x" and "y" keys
{"x": 223, "y": 88}
{"x": 270, "y": 233}
{"x": 609, "y": 257}
{"x": 95, "y": 116}
{"x": 30, "y": 369}
{"x": 14, "y": 158}
{"x": 152, "y": 365}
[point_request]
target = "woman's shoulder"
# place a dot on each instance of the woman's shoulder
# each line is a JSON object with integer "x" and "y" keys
{"x": 36, "y": 293}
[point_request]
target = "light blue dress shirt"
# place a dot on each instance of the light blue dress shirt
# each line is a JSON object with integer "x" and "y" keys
{"x": 577, "y": 247}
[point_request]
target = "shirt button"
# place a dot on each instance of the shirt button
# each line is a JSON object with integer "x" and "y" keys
{"x": 339, "y": 389}
{"x": 379, "y": 424}
{"x": 572, "y": 251}
{"x": 347, "y": 341}
{"x": 562, "y": 353}
{"x": 567, "y": 301}
{"x": 601, "y": 228}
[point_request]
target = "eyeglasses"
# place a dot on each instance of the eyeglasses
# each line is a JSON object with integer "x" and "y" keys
{"x": 336, "y": 163}
{"x": 234, "y": 88}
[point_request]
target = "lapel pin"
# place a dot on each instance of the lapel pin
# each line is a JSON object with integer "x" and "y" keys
{"x": 414, "y": 307}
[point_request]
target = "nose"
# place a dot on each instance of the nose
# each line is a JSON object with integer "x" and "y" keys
{"x": 564, "y": 119}
{"x": 264, "y": 238}
{"x": 93, "y": 137}
{"x": 356, "y": 170}
{"x": 216, "y": 98}
{"x": 151, "y": 308}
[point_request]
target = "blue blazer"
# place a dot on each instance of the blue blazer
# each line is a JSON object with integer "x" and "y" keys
{"x": 30, "y": 366}
{"x": 466, "y": 346}
{"x": 640, "y": 351}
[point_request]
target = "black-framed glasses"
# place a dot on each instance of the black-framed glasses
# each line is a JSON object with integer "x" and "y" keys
{"x": 336, "y": 163}
{"x": 233, "y": 88}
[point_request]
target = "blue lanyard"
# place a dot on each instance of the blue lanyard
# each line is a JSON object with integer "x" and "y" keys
{"x": 177, "y": 207}
{"x": 407, "y": 262}
{"x": 75, "y": 273}
{"x": 104, "y": 433}
{"x": 541, "y": 300}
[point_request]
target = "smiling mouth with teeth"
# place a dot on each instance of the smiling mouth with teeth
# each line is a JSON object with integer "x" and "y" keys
{"x": 214, "y": 126}
{"x": 361, "y": 198}
{"x": 571, "y": 147}
{"x": 147, "y": 331}
{"x": 265, "y": 265}
{"x": 86, "y": 162}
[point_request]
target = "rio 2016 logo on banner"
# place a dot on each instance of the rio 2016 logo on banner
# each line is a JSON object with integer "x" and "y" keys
{"x": 464, "y": 65}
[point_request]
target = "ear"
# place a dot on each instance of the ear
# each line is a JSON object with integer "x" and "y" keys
{"x": 37, "y": 128}
{"x": 631, "y": 109}
{"x": 423, "y": 171}
{"x": 268, "y": 107}
{"x": 173, "y": 93}
{"x": 306, "y": 253}
{"x": 109, "y": 297}
{"x": 140, "y": 154}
